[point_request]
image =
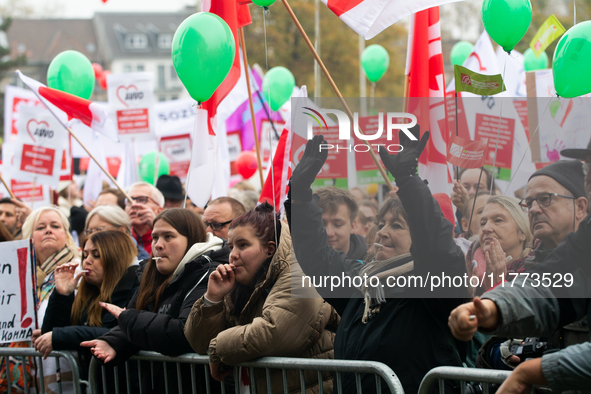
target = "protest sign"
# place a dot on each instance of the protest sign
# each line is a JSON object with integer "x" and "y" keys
{"x": 177, "y": 150}
{"x": 266, "y": 147}
{"x": 473, "y": 82}
{"x": 14, "y": 99}
{"x": 466, "y": 153}
{"x": 39, "y": 146}
{"x": 17, "y": 295}
{"x": 131, "y": 104}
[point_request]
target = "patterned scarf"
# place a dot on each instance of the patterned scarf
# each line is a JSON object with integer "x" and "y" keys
{"x": 46, "y": 269}
{"x": 374, "y": 296}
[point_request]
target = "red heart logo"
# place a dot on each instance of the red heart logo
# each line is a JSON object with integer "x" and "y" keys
{"x": 125, "y": 88}
{"x": 169, "y": 149}
{"x": 36, "y": 127}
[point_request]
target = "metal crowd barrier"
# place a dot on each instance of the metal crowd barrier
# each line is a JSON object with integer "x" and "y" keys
{"x": 476, "y": 375}
{"x": 28, "y": 353}
{"x": 380, "y": 370}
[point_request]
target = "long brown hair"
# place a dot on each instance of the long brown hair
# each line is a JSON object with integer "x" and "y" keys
{"x": 153, "y": 283}
{"x": 117, "y": 253}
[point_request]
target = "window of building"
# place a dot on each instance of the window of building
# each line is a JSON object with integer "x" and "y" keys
{"x": 140, "y": 67}
{"x": 127, "y": 68}
{"x": 136, "y": 41}
{"x": 173, "y": 75}
{"x": 161, "y": 81}
{"x": 161, "y": 97}
{"x": 164, "y": 40}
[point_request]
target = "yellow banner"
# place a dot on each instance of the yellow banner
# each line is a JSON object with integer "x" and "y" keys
{"x": 551, "y": 29}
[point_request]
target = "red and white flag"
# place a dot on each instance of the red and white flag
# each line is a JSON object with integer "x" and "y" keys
{"x": 427, "y": 96}
{"x": 370, "y": 17}
{"x": 236, "y": 16}
{"x": 466, "y": 153}
{"x": 91, "y": 114}
{"x": 275, "y": 188}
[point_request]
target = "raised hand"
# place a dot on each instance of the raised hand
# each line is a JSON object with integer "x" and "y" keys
{"x": 66, "y": 278}
{"x": 404, "y": 164}
{"x": 101, "y": 349}
{"x": 221, "y": 282}
{"x": 495, "y": 262}
{"x": 22, "y": 211}
{"x": 459, "y": 196}
{"x": 466, "y": 318}
{"x": 308, "y": 168}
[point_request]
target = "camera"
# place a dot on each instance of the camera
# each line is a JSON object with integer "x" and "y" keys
{"x": 530, "y": 348}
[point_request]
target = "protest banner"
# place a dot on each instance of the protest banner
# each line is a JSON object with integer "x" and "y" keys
{"x": 473, "y": 82}
{"x": 550, "y": 30}
{"x": 177, "y": 150}
{"x": 14, "y": 99}
{"x": 234, "y": 148}
{"x": 555, "y": 123}
{"x": 39, "y": 146}
{"x": 266, "y": 147}
{"x": 366, "y": 169}
{"x": 131, "y": 105}
{"x": 466, "y": 153}
{"x": 489, "y": 127}
{"x": 17, "y": 298}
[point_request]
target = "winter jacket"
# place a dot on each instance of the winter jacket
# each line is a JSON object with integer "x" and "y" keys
{"x": 162, "y": 331}
{"x": 357, "y": 248}
{"x": 409, "y": 334}
{"x": 68, "y": 337}
{"x": 280, "y": 319}
{"x": 531, "y": 309}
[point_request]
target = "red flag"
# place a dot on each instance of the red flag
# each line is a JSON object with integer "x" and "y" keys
{"x": 91, "y": 114}
{"x": 276, "y": 182}
{"x": 235, "y": 16}
{"x": 467, "y": 153}
{"x": 427, "y": 95}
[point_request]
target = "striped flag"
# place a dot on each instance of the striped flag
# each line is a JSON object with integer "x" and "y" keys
{"x": 370, "y": 17}
{"x": 91, "y": 114}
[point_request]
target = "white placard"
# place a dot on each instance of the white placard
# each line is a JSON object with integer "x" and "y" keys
{"x": 131, "y": 105}
{"x": 39, "y": 147}
{"x": 17, "y": 298}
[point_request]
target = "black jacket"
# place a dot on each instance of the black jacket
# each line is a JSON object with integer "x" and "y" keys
{"x": 163, "y": 331}
{"x": 357, "y": 247}
{"x": 409, "y": 334}
{"x": 67, "y": 337}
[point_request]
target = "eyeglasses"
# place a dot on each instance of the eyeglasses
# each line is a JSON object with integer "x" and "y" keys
{"x": 93, "y": 230}
{"x": 544, "y": 200}
{"x": 139, "y": 200}
{"x": 217, "y": 226}
{"x": 586, "y": 168}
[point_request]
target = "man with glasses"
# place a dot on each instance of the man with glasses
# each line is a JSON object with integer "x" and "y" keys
{"x": 146, "y": 202}
{"x": 219, "y": 213}
{"x": 527, "y": 308}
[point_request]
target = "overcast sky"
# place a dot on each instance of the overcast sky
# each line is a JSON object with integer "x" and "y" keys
{"x": 86, "y": 8}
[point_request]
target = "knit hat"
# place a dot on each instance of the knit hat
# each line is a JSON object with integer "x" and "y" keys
{"x": 568, "y": 173}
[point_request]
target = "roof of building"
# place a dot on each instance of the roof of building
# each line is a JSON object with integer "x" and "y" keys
{"x": 43, "y": 39}
{"x": 117, "y": 31}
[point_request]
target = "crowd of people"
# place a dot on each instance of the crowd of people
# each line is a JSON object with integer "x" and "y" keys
{"x": 229, "y": 281}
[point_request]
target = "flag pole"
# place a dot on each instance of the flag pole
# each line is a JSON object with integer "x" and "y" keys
{"x": 7, "y": 188}
{"x": 99, "y": 164}
{"x": 335, "y": 88}
{"x": 250, "y": 104}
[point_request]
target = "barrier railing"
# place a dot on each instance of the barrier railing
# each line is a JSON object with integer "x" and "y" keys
{"x": 28, "y": 353}
{"x": 284, "y": 364}
{"x": 476, "y": 375}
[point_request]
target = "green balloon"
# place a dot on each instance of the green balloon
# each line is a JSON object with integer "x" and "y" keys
{"x": 203, "y": 51}
{"x": 460, "y": 52}
{"x": 263, "y": 3}
{"x": 375, "y": 62}
{"x": 532, "y": 63}
{"x": 148, "y": 166}
{"x": 572, "y": 62}
{"x": 278, "y": 83}
{"x": 71, "y": 72}
{"x": 506, "y": 21}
